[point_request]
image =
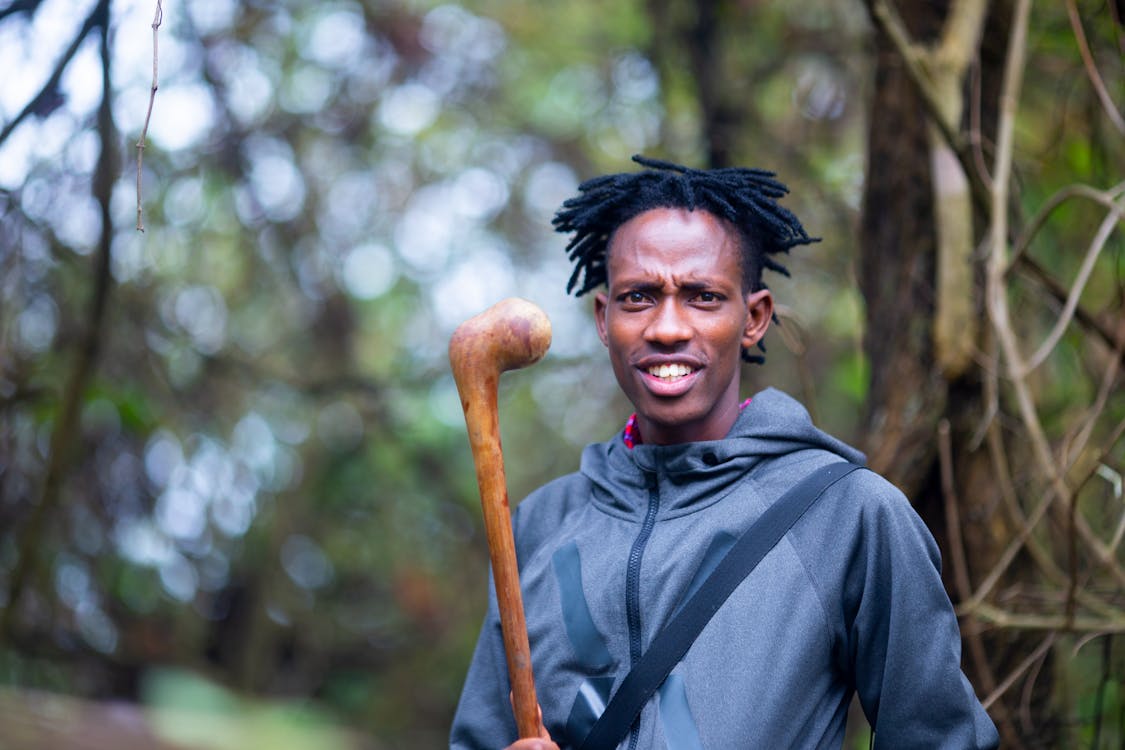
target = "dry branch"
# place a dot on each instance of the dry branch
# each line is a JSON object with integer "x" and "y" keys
{"x": 1105, "y": 198}
{"x": 996, "y": 292}
{"x": 20, "y": 6}
{"x": 1084, "y": 273}
{"x": 888, "y": 21}
{"x": 1032, "y": 658}
{"x": 156, "y": 21}
{"x": 938, "y": 73}
{"x": 66, "y": 427}
{"x": 1092, "y": 68}
{"x": 96, "y": 18}
{"x": 961, "y": 569}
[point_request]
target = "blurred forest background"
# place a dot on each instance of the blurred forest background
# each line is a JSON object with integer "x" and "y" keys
{"x": 237, "y": 506}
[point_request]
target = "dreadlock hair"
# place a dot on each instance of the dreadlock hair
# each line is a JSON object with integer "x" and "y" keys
{"x": 747, "y": 198}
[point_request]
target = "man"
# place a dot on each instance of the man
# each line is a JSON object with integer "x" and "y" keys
{"x": 850, "y": 601}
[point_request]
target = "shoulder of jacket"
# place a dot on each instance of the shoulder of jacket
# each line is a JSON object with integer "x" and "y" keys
{"x": 547, "y": 506}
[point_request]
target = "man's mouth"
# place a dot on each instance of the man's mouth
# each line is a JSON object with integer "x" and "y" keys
{"x": 670, "y": 373}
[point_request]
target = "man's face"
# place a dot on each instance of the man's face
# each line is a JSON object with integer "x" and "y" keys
{"x": 675, "y": 321}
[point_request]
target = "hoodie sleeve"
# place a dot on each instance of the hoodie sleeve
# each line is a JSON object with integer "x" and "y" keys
{"x": 484, "y": 720}
{"x": 903, "y": 639}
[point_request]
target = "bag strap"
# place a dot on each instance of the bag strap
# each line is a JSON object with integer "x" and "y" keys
{"x": 670, "y": 645}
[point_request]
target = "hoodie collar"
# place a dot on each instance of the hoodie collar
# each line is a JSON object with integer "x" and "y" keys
{"x": 631, "y": 435}
{"x": 693, "y": 475}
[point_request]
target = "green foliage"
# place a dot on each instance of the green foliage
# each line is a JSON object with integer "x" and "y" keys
{"x": 1091, "y": 694}
{"x": 186, "y": 710}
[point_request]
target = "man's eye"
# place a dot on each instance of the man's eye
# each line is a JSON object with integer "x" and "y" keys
{"x": 633, "y": 298}
{"x": 708, "y": 297}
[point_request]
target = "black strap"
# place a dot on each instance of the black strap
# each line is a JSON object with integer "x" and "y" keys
{"x": 676, "y": 638}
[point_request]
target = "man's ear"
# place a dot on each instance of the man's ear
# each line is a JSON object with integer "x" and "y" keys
{"x": 601, "y": 304}
{"x": 759, "y": 314}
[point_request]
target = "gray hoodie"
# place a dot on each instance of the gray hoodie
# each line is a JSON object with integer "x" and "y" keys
{"x": 851, "y": 600}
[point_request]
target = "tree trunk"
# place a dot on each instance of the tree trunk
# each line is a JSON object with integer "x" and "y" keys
{"x": 912, "y": 407}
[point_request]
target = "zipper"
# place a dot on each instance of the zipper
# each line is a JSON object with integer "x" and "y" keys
{"x": 633, "y": 580}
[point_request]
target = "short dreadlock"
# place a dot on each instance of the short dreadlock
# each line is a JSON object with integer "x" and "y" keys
{"x": 747, "y": 198}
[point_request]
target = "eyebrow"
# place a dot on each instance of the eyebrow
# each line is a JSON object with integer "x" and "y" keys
{"x": 655, "y": 286}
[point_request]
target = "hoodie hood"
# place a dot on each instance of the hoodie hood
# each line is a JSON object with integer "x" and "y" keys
{"x": 692, "y": 476}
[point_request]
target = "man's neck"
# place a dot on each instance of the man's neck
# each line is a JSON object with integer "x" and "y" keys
{"x": 631, "y": 435}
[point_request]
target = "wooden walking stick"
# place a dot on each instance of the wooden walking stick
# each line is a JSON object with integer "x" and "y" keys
{"x": 511, "y": 334}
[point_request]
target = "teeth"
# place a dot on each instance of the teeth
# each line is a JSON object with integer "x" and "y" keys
{"x": 669, "y": 372}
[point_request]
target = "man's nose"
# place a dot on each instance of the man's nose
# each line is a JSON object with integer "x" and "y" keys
{"x": 669, "y": 324}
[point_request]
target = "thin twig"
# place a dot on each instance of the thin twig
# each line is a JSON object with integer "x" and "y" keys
{"x": 976, "y": 134}
{"x": 1025, "y": 700}
{"x": 1007, "y": 556}
{"x": 1105, "y": 198}
{"x": 1037, "y": 273}
{"x": 1120, "y": 532}
{"x": 997, "y": 302}
{"x": 990, "y": 367}
{"x": 1107, "y": 555}
{"x": 1033, "y": 657}
{"x": 1092, "y": 68}
{"x": 1051, "y": 622}
{"x": 952, "y": 514}
{"x": 1107, "y": 387}
{"x": 1088, "y": 638}
{"x": 1084, "y": 272}
{"x": 1102, "y": 553}
{"x": 156, "y": 21}
{"x": 1071, "y": 557}
{"x": 997, "y": 299}
{"x": 1034, "y": 546}
{"x": 961, "y": 567}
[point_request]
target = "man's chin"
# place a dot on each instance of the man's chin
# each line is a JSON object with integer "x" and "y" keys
{"x": 674, "y": 423}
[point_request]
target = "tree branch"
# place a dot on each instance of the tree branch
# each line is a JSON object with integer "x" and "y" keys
{"x": 1035, "y": 547}
{"x": 1092, "y": 68}
{"x": 1052, "y": 622}
{"x": 1057, "y": 291}
{"x": 890, "y": 24}
{"x": 998, "y": 235}
{"x": 998, "y": 306}
{"x": 1083, "y": 276}
{"x": 156, "y": 21}
{"x": 1010, "y": 680}
{"x": 961, "y": 35}
{"x": 972, "y": 630}
{"x": 96, "y": 18}
{"x": 1008, "y": 555}
{"x": 887, "y": 19}
{"x": 1106, "y": 198}
{"x": 961, "y": 567}
{"x": 996, "y": 294}
{"x": 66, "y": 427}
{"x": 21, "y": 6}
{"x": 938, "y": 74}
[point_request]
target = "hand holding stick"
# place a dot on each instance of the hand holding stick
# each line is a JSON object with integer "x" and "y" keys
{"x": 511, "y": 334}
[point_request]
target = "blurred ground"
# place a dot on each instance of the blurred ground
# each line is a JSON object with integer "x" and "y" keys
{"x": 214, "y": 720}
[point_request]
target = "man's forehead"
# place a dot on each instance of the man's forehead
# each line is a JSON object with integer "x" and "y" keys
{"x": 685, "y": 259}
{"x": 676, "y": 215}
{"x": 671, "y": 226}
